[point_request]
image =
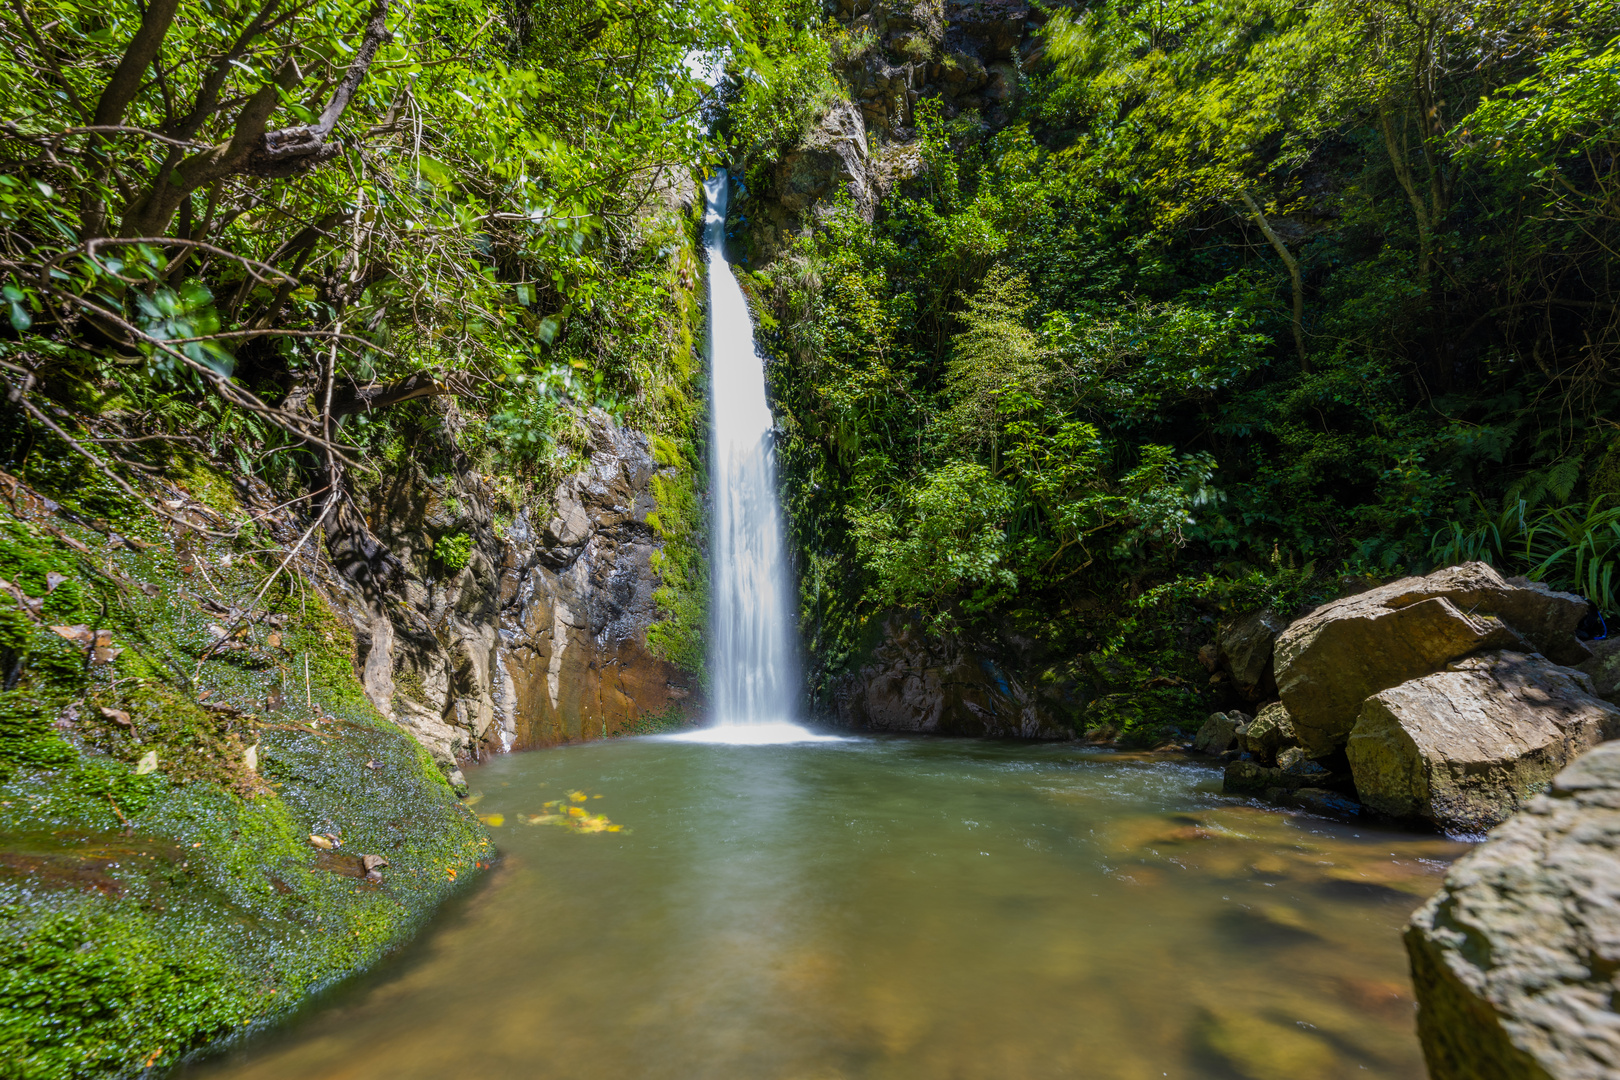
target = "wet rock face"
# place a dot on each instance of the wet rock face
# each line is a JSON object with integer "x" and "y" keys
{"x": 1333, "y": 659}
{"x": 542, "y": 636}
{"x": 940, "y": 685}
{"x": 1466, "y": 747}
{"x": 1516, "y": 959}
{"x": 576, "y": 602}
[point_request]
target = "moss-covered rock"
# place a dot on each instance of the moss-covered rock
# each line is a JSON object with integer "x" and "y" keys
{"x": 187, "y": 781}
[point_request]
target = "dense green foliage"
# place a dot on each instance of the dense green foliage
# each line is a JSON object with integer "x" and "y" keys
{"x": 316, "y": 235}
{"x": 1238, "y": 286}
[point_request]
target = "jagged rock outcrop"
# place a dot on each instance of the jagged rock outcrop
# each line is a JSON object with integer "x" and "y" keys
{"x": 1516, "y": 961}
{"x": 913, "y": 681}
{"x": 539, "y": 635}
{"x": 1333, "y": 659}
{"x": 1466, "y": 747}
{"x": 961, "y": 53}
{"x": 577, "y": 602}
{"x": 831, "y": 161}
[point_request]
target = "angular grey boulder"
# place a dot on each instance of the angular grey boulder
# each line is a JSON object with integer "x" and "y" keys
{"x": 1244, "y": 648}
{"x": 1217, "y": 734}
{"x": 1333, "y": 659}
{"x": 1545, "y": 618}
{"x": 1516, "y": 959}
{"x": 1466, "y": 747}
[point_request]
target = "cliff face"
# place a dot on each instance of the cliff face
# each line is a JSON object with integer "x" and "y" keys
{"x": 542, "y": 637}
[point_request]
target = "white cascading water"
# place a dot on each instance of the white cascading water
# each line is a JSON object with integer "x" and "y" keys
{"x": 755, "y": 671}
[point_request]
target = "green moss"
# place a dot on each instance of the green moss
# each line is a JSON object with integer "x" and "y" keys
{"x": 158, "y": 912}
{"x": 673, "y": 718}
{"x": 682, "y": 593}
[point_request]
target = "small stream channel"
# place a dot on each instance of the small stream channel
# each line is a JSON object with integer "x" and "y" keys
{"x": 883, "y": 908}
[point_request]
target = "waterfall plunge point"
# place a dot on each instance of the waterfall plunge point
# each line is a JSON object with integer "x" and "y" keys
{"x": 755, "y": 668}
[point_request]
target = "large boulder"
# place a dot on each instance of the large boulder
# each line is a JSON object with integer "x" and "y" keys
{"x": 1244, "y": 649}
{"x": 1333, "y": 659}
{"x": 1515, "y": 960}
{"x": 1466, "y": 747}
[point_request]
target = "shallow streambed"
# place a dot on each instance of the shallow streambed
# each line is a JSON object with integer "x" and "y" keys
{"x": 889, "y": 907}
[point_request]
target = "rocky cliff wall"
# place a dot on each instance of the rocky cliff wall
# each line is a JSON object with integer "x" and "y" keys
{"x": 911, "y": 680}
{"x": 541, "y": 634}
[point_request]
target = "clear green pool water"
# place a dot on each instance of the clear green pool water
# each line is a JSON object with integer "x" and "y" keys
{"x": 889, "y": 908}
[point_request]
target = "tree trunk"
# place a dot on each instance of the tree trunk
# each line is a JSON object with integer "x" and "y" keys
{"x": 1294, "y": 275}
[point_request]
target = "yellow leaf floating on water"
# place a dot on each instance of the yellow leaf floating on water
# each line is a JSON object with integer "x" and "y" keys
{"x": 572, "y": 818}
{"x": 494, "y": 821}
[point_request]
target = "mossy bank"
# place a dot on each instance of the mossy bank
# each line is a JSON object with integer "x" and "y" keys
{"x": 189, "y": 780}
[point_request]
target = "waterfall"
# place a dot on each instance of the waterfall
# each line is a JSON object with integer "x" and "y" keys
{"x": 752, "y": 649}
{"x": 755, "y": 677}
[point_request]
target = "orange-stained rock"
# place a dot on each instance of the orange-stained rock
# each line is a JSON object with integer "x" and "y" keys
{"x": 542, "y": 637}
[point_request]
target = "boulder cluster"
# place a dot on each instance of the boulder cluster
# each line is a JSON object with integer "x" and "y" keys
{"x": 1450, "y": 699}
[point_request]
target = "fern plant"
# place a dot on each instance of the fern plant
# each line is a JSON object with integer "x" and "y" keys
{"x": 1577, "y": 550}
{"x": 1567, "y": 547}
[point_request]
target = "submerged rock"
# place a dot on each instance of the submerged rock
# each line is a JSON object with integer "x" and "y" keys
{"x": 1323, "y": 801}
{"x": 1466, "y": 747}
{"x": 1516, "y": 960}
{"x": 1332, "y": 660}
{"x": 1252, "y": 778}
